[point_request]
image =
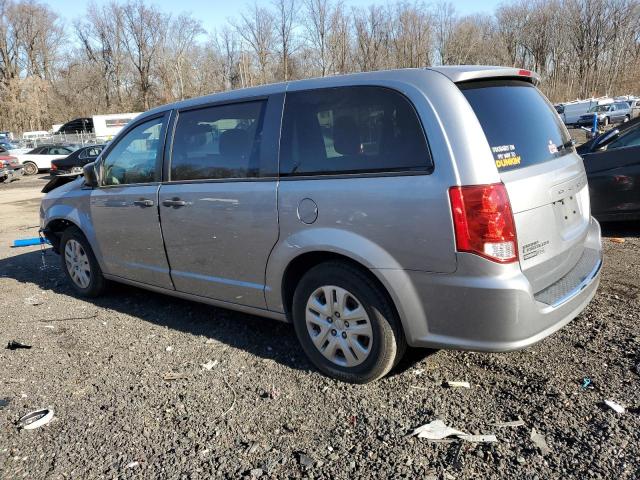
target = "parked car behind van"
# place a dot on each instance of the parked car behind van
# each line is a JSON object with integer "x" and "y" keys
{"x": 10, "y": 166}
{"x": 75, "y": 161}
{"x": 571, "y": 112}
{"x": 39, "y": 159}
{"x": 612, "y": 163}
{"x": 634, "y": 105}
{"x": 441, "y": 207}
{"x": 617, "y": 112}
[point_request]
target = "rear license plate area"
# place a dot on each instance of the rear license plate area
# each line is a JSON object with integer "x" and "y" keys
{"x": 567, "y": 210}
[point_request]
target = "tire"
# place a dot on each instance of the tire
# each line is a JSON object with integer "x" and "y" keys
{"x": 86, "y": 279}
{"x": 606, "y": 121}
{"x": 30, "y": 168}
{"x": 626, "y": 119}
{"x": 355, "y": 358}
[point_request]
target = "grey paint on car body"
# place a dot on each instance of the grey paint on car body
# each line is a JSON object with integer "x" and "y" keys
{"x": 399, "y": 226}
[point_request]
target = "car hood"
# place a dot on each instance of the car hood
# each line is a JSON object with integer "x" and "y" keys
{"x": 61, "y": 185}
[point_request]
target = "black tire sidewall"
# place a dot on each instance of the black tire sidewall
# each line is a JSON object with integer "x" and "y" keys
{"x": 96, "y": 280}
{"x": 381, "y": 313}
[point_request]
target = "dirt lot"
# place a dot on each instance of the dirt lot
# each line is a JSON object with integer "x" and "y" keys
{"x": 262, "y": 410}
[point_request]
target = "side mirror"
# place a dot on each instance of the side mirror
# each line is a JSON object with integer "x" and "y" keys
{"x": 90, "y": 176}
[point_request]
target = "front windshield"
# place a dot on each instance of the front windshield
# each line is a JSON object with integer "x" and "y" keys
{"x": 599, "y": 108}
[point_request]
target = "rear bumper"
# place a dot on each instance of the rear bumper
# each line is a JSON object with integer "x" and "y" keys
{"x": 489, "y": 307}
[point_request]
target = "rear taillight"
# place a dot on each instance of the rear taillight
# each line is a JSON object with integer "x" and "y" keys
{"x": 483, "y": 222}
{"x": 53, "y": 167}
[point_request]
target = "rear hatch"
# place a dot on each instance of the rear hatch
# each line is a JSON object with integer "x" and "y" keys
{"x": 543, "y": 175}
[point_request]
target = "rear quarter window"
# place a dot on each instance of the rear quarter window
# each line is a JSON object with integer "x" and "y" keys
{"x": 344, "y": 130}
{"x": 520, "y": 124}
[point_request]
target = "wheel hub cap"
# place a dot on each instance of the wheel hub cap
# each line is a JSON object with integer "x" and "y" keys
{"x": 77, "y": 263}
{"x": 339, "y": 326}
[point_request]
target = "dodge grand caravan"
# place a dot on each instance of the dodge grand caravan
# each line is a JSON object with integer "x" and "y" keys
{"x": 441, "y": 207}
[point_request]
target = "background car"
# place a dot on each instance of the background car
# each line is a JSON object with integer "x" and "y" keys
{"x": 10, "y": 167}
{"x": 613, "y": 113}
{"x": 612, "y": 163}
{"x": 39, "y": 159}
{"x": 635, "y": 108}
{"x": 75, "y": 161}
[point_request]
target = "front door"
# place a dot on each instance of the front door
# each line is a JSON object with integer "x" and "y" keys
{"x": 124, "y": 209}
{"x": 219, "y": 210}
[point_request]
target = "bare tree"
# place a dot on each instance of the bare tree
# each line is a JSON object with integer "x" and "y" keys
{"x": 372, "y": 37}
{"x": 179, "y": 52}
{"x": 411, "y": 35}
{"x": 256, "y": 27}
{"x": 145, "y": 30}
{"x": 286, "y": 16}
{"x": 318, "y": 27}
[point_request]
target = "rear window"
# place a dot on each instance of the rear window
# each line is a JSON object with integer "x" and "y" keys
{"x": 521, "y": 126}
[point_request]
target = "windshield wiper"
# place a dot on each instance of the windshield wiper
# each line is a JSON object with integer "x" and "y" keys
{"x": 567, "y": 145}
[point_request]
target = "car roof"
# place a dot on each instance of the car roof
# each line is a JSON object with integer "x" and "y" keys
{"x": 455, "y": 73}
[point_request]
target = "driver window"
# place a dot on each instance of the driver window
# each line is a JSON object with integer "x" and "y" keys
{"x": 134, "y": 158}
{"x": 631, "y": 139}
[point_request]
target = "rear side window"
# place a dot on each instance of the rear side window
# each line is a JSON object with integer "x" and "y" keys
{"x": 218, "y": 142}
{"x": 90, "y": 152}
{"x": 351, "y": 130}
{"x": 521, "y": 126}
{"x": 59, "y": 151}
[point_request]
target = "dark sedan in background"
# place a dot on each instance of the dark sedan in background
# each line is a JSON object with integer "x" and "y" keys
{"x": 612, "y": 162}
{"x": 75, "y": 161}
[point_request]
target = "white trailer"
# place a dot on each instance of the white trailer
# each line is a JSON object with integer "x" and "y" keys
{"x": 36, "y": 134}
{"x": 105, "y": 127}
{"x": 570, "y": 112}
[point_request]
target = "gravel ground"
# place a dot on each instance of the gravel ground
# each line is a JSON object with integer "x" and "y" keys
{"x": 105, "y": 366}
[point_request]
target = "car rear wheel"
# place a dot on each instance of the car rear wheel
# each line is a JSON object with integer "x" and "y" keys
{"x": 626, "y": 118}
{"x": 605, "y": 122}
{"x": 30, "y": 168}
{"x": 347, "y": 324}
{"x": 80, "y": 264}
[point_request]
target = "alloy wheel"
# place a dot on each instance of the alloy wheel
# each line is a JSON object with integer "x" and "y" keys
{"x": 77, "y": 262}
{"x": 30, "y": 168}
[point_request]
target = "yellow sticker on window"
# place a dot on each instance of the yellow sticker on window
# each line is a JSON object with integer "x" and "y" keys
{"x": 505, "y": 156}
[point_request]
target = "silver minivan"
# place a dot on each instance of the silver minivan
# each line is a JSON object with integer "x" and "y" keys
{"x": 440, "y": 207}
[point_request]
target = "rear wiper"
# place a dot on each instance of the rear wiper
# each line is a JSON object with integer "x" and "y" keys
{"x": 570, "y": 144}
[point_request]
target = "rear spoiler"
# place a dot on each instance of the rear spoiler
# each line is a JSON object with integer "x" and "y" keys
{"x": 466, "y": 73}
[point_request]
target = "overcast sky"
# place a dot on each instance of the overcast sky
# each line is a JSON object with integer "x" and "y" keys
{"x": 214, "y": 13}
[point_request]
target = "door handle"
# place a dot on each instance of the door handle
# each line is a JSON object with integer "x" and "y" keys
{"x": 143, "y": 202}
{"x": 174, "y": 202}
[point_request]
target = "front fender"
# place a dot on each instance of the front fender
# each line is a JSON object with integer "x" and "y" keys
{"x": 73, "y": 208}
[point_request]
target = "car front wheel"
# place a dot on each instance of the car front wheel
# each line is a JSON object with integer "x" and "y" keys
{"x": 346, "y": 323}
{"x": 80, "y": 265}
